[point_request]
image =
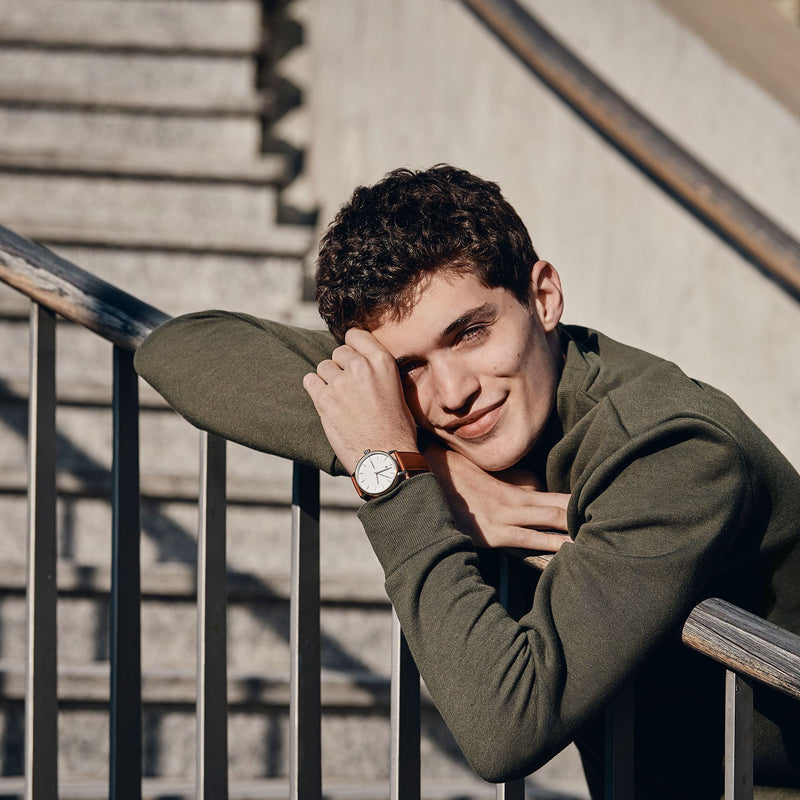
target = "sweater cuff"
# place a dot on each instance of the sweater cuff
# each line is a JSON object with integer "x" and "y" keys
{"x": 410, "y": 518}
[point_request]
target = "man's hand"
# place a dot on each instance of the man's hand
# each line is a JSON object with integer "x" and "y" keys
{"x": 504, "y": 509}
{"x": 359, "y": 398}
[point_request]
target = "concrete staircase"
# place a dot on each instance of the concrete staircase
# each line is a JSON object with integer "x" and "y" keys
{"x": 141, "y": 140}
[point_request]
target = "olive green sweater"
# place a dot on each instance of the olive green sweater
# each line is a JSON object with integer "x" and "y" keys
{"x": 675, "y": 496}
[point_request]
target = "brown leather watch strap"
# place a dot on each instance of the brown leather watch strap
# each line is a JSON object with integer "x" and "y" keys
{"x": 411, "y": 462}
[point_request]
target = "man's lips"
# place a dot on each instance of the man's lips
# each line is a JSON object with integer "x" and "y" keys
{"x": 478, "y": 423}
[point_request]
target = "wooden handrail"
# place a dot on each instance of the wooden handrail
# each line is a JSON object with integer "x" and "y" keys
{"x": 745, "y": 643}
{"x": 74, "y": 293}
{"x": 772, "y": 248}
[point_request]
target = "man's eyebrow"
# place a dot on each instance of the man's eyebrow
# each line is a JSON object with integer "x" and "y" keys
{"x": 468, "y": 317}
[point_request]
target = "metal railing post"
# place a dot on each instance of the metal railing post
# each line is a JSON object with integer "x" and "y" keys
{"x": 305, "y": 709}
{"x": 41, "y": 693}
{"x": 619, "y": 746}
{"x": 212, "y": 674}
{"x": 125, "y": 711}
{"x": 404, "y": 760}
{"x": 510, "y": 790}
{"x": 738, "y": 737}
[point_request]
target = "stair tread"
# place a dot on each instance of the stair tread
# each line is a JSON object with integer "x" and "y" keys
{"x": 266, "y": 240}
{"x": 180, "y": 581}
{"x": 266, "y": 490}
{"x": 100, "y": 131}
{"x": 269, "y": 168}
{"x": 212, "y": 26}
{"x": 334, "y": 789}
{"x": 177, "y": 81}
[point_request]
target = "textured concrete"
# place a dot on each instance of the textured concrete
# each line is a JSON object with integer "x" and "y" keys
{"x": 107, "y": 135}
{"x": 129, "y": 80}
{"x": 226, "y": 26}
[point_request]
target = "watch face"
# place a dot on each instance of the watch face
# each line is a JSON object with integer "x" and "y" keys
{"x": 375, "y": 472}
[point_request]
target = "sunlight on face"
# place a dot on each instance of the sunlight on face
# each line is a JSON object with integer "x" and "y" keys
{"x": 479, "y": 368}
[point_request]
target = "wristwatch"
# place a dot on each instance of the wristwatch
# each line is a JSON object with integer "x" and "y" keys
{"x": 378, "y": 471}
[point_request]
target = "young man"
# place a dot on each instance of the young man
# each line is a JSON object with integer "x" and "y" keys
{"x": 447, "y": 352}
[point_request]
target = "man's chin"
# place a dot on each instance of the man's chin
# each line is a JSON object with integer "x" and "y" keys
{"x": 490, "y": 459}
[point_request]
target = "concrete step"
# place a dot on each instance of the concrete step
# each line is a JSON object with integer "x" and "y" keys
{"x": 226, "y": 26}
{"x": 267, "y": 788}
{"x": 272, "y": 240}
{"x": 88, "y": 684}
{"x": 151, "y": 214}
{"x": 110, "y": 135}
{"x": 278, "y": 789}
{"x": 187, "y": 165}
{"x": 355, "y": 745}
{"x": 558, "y": 780}
{"x": 168, "y": 457}
{"x": 355, "y": 735}
{"x": 169, "y": 81}
{"x": 161, "y": 580}
{"x": 263, "y": 285}
{"x": 258, "y": 538}
{"x": 355, "y": 755}
{"x": 355, "y": 638}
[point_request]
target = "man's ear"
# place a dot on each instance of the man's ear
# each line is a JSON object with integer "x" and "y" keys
{"x": 546, "y": 298}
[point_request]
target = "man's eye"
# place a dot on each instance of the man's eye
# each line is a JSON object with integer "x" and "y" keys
{"x": 474, "y": 334}
{"x": 408, "y": 368}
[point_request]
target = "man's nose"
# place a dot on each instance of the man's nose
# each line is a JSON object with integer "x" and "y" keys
{"x": 457, "y": 386}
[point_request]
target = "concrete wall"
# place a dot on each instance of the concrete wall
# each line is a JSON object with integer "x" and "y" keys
{"x": 422, "y": 81}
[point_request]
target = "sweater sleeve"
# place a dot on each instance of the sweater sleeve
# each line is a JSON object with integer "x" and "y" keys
{"x": 651, "y": 523}
{"x": 241, "y": 377}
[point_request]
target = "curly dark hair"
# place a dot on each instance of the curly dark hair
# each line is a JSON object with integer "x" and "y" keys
{"x": 408, "y": 226}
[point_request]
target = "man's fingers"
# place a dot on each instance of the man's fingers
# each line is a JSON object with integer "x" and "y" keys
{"x": 558, "y": 499}
{"x": 344, "y": 355}
{"x": 537, "y": 540}
{"x": 548, "y": 517}
{"x": 312, "y": 383}
{"x": 364, "y": 342}
{"x": 328, "y": 370}
{"x": 554, "y": 499}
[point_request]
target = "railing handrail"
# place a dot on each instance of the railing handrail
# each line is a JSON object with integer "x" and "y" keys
{"x": 710, "y": 198}
{"x": 747, "y": 644}
{"x": 75, "y": 294}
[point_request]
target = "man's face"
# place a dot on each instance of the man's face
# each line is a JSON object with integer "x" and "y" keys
{"x": 479, "y": 368}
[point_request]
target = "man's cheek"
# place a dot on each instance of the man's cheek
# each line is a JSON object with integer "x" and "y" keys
{"x": 412, "y": 398}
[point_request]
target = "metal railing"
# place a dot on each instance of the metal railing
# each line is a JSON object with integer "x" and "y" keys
{"x": 750, "y": 648}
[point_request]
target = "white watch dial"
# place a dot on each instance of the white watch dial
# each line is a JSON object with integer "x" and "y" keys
{"x": 376, "y": 472}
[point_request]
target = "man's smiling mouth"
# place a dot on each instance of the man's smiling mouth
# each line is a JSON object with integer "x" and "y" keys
{"x": 477, "y": 424}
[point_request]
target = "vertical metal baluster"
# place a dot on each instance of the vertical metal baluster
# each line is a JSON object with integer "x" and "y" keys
{"x": 305, "y": 757}
{"x": 619, "y": 749}
{"x": 404, "y": 764}
{"x": 41, "y": 694}
{"x": 738, "y": 737}
{"x": 212, "y": 675}
{"x": 510, "y": 790}
{"x": 125, "y": 761}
